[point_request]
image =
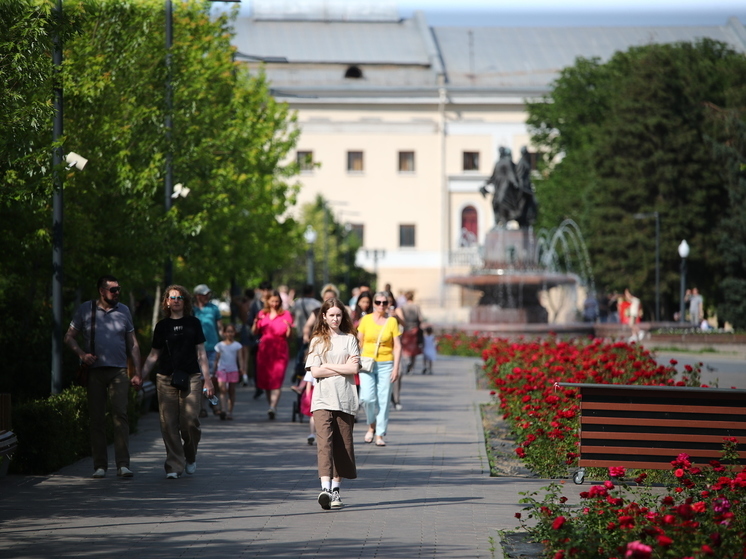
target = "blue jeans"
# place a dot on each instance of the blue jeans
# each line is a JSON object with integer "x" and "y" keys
{"x": 375, "y": 395}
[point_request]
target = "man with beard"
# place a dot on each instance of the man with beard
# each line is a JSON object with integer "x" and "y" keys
{"x": 113, "y": 339}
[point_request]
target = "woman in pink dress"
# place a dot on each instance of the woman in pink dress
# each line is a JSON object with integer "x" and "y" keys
{"x": 274, "y": 325}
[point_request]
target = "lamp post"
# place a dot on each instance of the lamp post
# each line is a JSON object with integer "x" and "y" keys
{"x": 310, "y": 236}
{"x": 57, "y": 306}
{"x": 656, "y": 215}
{"x": 683, "y": 253}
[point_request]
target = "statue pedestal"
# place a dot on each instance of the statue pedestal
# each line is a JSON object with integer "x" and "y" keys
{"x": 510, "y": 249}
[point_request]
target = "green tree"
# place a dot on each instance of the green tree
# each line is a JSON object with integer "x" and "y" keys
{"x": 732, "y": 242}
{"x": 629, "y": 136}
{"x": 229, "y": 141}
{"x": 335, "y": 247}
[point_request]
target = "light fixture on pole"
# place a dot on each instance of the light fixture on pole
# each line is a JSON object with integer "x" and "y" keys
{"x": 656, "y": 215}
{"x": 310, "y": 236}
{"x": 683, "y": 253}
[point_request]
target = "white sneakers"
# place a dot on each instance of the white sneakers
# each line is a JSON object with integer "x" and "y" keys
{"x": 99, "y": 473}
{"x": 173, "y": 475}
{"x": 190, "y": 468}
{"x": 124, "y": 471}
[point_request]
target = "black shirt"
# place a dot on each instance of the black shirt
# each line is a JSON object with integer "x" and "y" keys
{"x": 178, "y": 340}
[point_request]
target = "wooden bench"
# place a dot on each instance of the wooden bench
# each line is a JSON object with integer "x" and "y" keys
{"x": 646, "y": 427}
{"x": 8, "y": 440}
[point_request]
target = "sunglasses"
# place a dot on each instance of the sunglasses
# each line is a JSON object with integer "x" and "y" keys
{"x": 177, "y": 298}
{"x": 115, "y": 289}
{"x": 384, "y": 303}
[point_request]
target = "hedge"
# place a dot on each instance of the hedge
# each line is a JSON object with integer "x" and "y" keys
{"x": 53, "y": 432}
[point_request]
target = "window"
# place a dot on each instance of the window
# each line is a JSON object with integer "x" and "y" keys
{"x": 355, "y": 161}
{"x": 354, "y": 73}
{"x": 471, "y": 161}
{"x": 305, "y": 160}
{"x": 359, "y": 230}
{"x": 406, "y": 162}
{"x": 469, "y": 227}
{"x": 406, "y": 235}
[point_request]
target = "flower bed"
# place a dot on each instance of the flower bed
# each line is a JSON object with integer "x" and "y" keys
{"x": 543, "y": 416}
{"x": 701, "y": 515}
{"x": 463, "y": 344}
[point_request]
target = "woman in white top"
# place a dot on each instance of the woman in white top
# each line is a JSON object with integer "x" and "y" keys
{"x": 334, "y": 359}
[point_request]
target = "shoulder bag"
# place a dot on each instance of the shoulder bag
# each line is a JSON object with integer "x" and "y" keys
{"x": 179, "y": 377}
{"x": 366, "y": 363}
{"x": 81, "y": 375}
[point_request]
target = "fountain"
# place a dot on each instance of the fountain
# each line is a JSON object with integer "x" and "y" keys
{"x": 518, "y": 267}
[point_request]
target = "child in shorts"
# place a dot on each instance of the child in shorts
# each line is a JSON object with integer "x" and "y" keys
{"x": 228, "y": 369}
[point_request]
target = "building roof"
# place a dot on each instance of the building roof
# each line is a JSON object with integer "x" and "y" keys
{"x": 396, "y": 56}
{"x": 532, "y": 57}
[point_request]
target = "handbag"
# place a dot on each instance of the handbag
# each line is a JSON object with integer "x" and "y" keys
{"x": 366, "y": 363}
{"x": 179, "y": 377}
{"x": 180, "y": 380}
{"x": 81, "y": 375}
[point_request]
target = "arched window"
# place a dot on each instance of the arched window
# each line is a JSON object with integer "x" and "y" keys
{"x": 354, "y": 72}
{"x": 469, "y": 227}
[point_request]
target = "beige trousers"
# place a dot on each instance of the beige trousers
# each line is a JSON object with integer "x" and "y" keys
{"x": 179, "y": 414}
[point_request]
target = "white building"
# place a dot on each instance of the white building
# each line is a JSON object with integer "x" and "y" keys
{"x": 404, "y": 121}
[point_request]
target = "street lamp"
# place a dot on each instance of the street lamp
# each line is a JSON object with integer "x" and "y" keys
{"x": 684, "y": 253}
{"x": 310, "y": 236}
{"x": 656, "y": 215}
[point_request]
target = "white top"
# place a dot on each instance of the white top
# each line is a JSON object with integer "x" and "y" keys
{"x": 337, "y": 393}
{"x": 308, "y": 377}
{"x": 228, "y": 356}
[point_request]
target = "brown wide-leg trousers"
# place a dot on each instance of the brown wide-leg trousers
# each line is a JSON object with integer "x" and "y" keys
{"x": 336, "y": 452}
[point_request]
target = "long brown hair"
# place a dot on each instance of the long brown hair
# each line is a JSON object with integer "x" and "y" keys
{"x": 184, "y": 293}
{"x": 274, "y": 293}
{"x": 322, "y": 333}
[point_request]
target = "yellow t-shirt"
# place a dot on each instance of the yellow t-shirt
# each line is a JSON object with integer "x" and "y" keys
{"x": 370, "y": 330}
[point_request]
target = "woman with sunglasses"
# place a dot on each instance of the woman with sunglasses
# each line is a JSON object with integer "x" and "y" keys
{"x": 179, "y": 345}
{"x": 379, "y": 338}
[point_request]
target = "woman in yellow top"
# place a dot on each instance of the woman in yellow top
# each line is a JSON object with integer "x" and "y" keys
{"x": 375, "y": 386}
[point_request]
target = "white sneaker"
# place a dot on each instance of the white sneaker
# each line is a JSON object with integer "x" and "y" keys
{"x": 245, "y": 380}
{"x": 190, "y": 468}
{"x": 336, "y": 501}
{"x": 99, "y": 473}
{"x": 325, "y": 499}
{"x": 172, "y": 475}
{"x": 124, "y": 471}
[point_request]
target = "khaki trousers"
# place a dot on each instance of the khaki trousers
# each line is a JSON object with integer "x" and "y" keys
{"x": 335, "y": 449}
{"x": 179, "y": 414}
{"x": 111, "y": 382}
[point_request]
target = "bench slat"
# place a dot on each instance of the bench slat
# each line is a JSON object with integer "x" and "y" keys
{"x": 631, "y": 451}
{"x": 646, "y": 422}
{"x": 662, "y": 408}
{"x": 623, "y": 436}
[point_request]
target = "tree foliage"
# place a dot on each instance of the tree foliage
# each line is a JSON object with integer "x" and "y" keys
{"x": 228, "y": 145}
{"x": 630, "y": 136}
{"x": 335, "y": 248}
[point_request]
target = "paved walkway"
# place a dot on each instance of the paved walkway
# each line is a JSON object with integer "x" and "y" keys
{"x": 427, "y": 494}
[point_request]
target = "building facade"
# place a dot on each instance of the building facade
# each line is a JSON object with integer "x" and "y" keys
{"x": 401, "y": 123}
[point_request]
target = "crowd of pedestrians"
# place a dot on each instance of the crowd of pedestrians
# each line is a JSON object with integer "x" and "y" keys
{"x": 199, "y": 357}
